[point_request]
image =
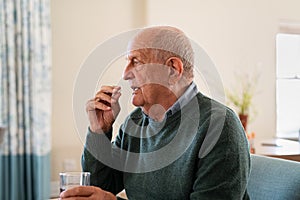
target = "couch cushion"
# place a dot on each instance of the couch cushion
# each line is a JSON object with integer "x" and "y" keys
{"x": 273, "y": 178}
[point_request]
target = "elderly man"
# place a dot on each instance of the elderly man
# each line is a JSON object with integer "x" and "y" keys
{"x": 177, "y": 144}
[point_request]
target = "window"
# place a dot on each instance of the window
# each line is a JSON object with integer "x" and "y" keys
{"x": 288, "y": 85}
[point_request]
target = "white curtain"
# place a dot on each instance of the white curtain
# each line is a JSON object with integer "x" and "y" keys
{"x": 25, "y": 103}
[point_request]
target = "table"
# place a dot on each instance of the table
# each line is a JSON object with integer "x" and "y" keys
{"x": 279, "y": 148}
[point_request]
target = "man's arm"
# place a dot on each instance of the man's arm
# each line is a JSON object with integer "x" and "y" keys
{"x": 223, "y": 173}
{"x": 102, "y": 111}
{"x": 103, "y": 176}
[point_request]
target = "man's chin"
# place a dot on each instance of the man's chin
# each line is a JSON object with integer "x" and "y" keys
{"x": 136, "y": 102}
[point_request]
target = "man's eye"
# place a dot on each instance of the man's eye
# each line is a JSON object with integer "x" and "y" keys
{"x": 136, "y": 62}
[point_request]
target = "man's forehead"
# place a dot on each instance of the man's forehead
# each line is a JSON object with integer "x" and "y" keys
{"x": 138, "y": 53}
{"x": 140, "y": 48}
{"x": 138, "y": 45}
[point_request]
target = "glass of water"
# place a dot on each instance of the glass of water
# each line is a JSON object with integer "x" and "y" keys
{"x": 72, "y": 179}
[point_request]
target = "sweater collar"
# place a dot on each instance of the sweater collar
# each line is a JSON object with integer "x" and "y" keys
{"x": 184, "y": 99}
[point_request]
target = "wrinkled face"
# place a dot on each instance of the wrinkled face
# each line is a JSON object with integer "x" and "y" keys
{"x": 148, "y": 79}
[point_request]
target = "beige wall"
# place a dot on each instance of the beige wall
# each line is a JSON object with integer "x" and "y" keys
{"x": 78, "y": 26}
{"x": 236, "y": 34}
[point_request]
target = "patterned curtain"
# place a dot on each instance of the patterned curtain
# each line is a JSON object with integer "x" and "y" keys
{"x": 25, "y": 101}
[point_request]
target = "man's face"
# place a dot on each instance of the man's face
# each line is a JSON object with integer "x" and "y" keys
{"x": 147, "y": 78}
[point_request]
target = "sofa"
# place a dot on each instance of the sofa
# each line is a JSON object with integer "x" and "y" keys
{"x": 274, "y": 178}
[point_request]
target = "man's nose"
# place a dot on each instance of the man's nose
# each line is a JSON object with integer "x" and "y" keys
{"x": 128, "y": 72}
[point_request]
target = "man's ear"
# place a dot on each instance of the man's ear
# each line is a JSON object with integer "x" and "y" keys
{"x": 176, "y": 68}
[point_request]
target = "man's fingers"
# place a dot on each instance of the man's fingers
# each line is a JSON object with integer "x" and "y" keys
{"x": 115, "y": 106}
{"x": 92, "y": 105}
{"x": 107, "y": 89}
{"x": 108, "y": 95}
{"x": 103, "y": 96}
{"x": 82, "y": 191}
{"x": 104, "y": 108}
{"x": 115, "y": 95}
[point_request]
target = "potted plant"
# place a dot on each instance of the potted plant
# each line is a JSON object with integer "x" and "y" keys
{"x": 242, "y": 98}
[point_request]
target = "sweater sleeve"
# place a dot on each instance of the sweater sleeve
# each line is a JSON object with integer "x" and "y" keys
{"x": 98, "y": 148}
{"x": 223, "y": 173}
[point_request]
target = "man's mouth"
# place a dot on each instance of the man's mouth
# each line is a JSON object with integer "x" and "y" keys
{"x": 135, "y": 89}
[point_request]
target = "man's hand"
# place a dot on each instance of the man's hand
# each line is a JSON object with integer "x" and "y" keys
{"x": 103, "y": 109}
{"x": 86, "y": 193}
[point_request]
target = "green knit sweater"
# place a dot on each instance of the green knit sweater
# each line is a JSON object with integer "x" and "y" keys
{"x": 199, "y": 152}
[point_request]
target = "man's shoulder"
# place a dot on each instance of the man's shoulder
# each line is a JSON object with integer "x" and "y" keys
{"x": 211, "y": 106}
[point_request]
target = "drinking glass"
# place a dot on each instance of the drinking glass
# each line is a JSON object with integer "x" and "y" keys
{"x": 72, "y": 179}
